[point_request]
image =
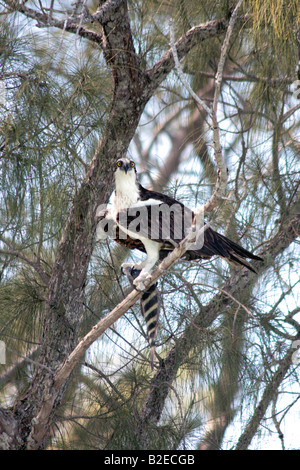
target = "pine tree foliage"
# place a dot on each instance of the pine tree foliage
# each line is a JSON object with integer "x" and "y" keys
{"x": 227, "y": 341}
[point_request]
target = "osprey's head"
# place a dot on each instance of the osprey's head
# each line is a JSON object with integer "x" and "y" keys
{"x": 125, "y": 165}
{"x": 126, "y": 180}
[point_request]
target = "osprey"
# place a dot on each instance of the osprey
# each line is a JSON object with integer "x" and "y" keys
{"x": 156, "y": 223}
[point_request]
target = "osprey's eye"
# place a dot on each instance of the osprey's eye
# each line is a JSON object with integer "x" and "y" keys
{"x": 132, "y": 164}
{"x": 119, "y": 164}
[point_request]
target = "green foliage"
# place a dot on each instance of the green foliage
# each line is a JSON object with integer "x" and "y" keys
{"x": 275, "y": 48}
{"x": 22, "y": 301}
{"x": 49, "y": 125}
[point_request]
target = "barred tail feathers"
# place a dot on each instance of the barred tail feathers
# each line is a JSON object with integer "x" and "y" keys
{"x": 150, "y": 311}
{"x": 149, "y": 308}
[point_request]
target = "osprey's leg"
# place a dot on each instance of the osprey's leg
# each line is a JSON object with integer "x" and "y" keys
{"x": 152, "y": 248}
{"x": 139, "y": 266}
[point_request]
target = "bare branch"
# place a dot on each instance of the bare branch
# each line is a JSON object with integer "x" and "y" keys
{"x": 192, "y": 37}
{"x": 71, "y": 24}
{"x": 34, "y": 264}
{"x": 11, "y": 372}
{"x": 251, "y": 78}
{"x": 212, "y": 112}
{"x": 223, "y": 56}
{"x": 103, "y": 14}
{"x": 180, "y": 72}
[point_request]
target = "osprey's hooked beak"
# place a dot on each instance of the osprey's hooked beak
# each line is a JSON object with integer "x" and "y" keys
{"x": 124, "y": 164}
{"x": 126, "y": 167}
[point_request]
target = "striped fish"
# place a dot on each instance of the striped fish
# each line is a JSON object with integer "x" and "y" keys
{"x": 149, "y": 308}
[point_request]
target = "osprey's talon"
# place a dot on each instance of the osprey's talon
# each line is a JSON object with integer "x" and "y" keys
{"x": 125, "y": 271}
{"x": 127, "y": 268}
{"x": 139, "y": 287}
{"x": 130, "y": 272}
{"x": 133, "y": 274}
{"x": 139, "y": 281}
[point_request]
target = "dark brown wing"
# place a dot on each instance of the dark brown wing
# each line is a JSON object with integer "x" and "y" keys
{"x": 160, "y": 222}
{"x": 214, "y": 244}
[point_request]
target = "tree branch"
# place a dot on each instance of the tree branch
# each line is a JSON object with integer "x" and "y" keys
{"x": 250, "y": 78}
{"x": 72, "y": 23}
{"x": 183, "y": 45}
{"x": 12, "y": 371}
{"x": 36, "y": 265}
{"x": 212, "y": 112}
{"x": 268, "y": 395}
